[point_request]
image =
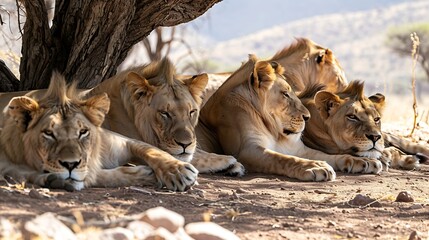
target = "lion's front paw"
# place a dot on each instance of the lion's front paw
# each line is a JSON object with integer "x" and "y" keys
{"x": 236, "y": 170}
{"x": 178, "y": 176}
{"x": 351, "y": 164}
{"x": 54, "y": 181}
{"x": 317, "y": 171}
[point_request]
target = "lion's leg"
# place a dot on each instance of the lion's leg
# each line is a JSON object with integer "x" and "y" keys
{"x": 174, "y": 174}
{"x": 260, "y": 159}
{"x": 395, "y": 158}
{"x": 210, "y": 163}
{"x": 405, "y": 145}
{"x": 124, "y": 176}
{"x": 345, "y": 163}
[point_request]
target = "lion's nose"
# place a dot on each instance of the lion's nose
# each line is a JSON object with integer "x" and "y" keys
{"x": 373, "y": 137}
{"x": 69, "y": 165}
{"x": 305, "y": 117}
{"x": 184, "y": 145}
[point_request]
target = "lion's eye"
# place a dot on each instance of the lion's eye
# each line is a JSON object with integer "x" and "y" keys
{"x": 352, "y": 117}
{"x": 48, "y": 134}
{"x": 164, "y": 114}
{"x": 83, "y": 133}
{"x": 192, "y": 112}
{"x": 377, "y": 119}
{"x": 286, "y": 94}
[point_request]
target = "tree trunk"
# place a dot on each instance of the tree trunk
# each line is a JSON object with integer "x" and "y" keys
{"x": 90, "y": 38}
{"x": 8, "y": 81}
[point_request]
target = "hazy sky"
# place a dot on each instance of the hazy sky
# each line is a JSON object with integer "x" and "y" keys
{"x": 234, "y": 18}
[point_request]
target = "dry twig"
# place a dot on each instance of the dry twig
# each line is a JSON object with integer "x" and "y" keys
{"x": 414, "y": 55}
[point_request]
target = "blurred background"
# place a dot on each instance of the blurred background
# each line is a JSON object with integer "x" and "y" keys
{"x": 370, "y": 38}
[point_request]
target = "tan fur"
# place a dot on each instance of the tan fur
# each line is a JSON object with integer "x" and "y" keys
{"x": 256, "y": 117}
{"x": 349, "y": 122}
{"x": 57, "y": 141}
{"x": 307, "y": 63}
{"x": 151, "y": 103}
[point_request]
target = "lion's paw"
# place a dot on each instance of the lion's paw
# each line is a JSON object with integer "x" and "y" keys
{"x": 400, "y": 160}
{"x": 216, "y": 163}
{"x": 351, "y": 164}
{"x": 53, "y": 181}
{"x": 178, "y": 176}
{"x": 317, "y": 171}
{"x": 236, "y": 170}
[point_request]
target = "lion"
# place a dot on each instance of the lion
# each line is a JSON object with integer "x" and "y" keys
{"x": 305, "y": 63}
{"x": 153, "y": 104}
{"x": 256, "y": 117}
{"x": 357, "y": 131}
{"x": 57, "y": 142}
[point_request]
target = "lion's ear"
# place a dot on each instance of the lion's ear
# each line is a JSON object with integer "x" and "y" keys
{"x": 264, "y": 75}
{"x": 379, "y": 101}
{"x": 324, "y": 56}
{"x": 22, "y": 110}
{"x": 197, "y": 84}
{"x": 138, "y": 86}
{"x": 327, "y": 103}
{"x": 96, "y": 108}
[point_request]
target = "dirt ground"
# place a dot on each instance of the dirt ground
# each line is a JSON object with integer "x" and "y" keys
{"x": 256, "y": 206}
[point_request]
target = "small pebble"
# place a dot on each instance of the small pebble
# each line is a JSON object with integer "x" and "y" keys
{"x": 361, "y": 200}
{"x": 404, "y": 196}
{"x": 35, "y": 194}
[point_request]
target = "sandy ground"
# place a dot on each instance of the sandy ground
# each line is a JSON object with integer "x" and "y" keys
{"x": 255, "y": 206}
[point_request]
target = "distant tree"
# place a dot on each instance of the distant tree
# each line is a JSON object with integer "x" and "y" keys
{"x": 88, "y": 39}
{"x": 398, "y": 39}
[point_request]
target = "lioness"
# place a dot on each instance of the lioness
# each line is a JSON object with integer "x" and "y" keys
{"x": 57, "y": 142}
{"x": 256, "y": 117}
{"x": 357, "y": 131}
{"x": 305, "y": 62}
{"x": 152, "y": 104}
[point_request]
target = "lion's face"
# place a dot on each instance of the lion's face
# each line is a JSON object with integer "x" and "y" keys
{"x": 168, "y": 113}
{"x": 286, "y": 107}
{"x": 61, "y": 139}
{"x": 329, "y": 71}
{"x": 355, "y": 121}
{"x": 64, "y": 143}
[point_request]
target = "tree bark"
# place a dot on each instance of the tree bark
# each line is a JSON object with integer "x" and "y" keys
{"x": 90, "y": 38}
{"x": 8, "y": 81}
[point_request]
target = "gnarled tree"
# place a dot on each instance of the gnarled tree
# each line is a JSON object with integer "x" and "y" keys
{"x": 88, "y": 39}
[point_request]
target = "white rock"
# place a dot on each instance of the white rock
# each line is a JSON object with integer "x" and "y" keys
{"x": 162, "y": 217}
{"x": 140, "y": 229}
{"x": 209, "y": 231}
{"x": 117, "y": 233}
{"x": 8, "y": 230}
{"x": 161, "y": 234}
{"x": 48, "y": 226}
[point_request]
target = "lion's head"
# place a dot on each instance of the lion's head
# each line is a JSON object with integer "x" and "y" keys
{"x": 57, "y": 134}
{"x": 281, "y": 102}
{"x": 260, "y": 89}
{"x": 165, "y": 109}
{"x": 307, "y": 63}
{"x": 349, "y": 120}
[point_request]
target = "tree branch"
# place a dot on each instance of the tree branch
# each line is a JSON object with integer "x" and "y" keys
{"x": 36, "y": 45}
{"x": 171, "y": 13}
